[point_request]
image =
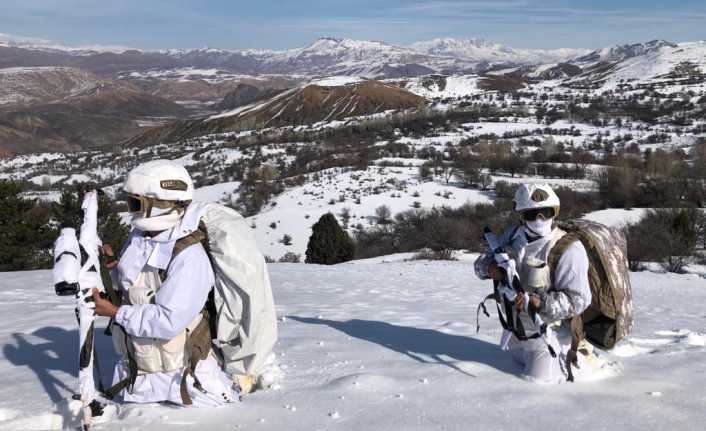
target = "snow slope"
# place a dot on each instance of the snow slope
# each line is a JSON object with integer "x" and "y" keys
{"x": 381, "y": 346}
{"x": 617, "y": 217}
{"x": 654, "y": 62}
{"x": 296, "y": 210}
{"x": 450, "y": 86}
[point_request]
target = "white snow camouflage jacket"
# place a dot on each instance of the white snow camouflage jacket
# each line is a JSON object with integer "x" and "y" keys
{"x": 570, "y": 293}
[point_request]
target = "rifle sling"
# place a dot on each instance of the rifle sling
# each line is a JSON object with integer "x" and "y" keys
{"x": 114, "y": 390}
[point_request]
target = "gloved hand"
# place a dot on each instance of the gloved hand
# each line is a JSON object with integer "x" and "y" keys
{"x": 534, "y": 302}
{"x": 103, "y": 306}
{"x": 495, "y": 272}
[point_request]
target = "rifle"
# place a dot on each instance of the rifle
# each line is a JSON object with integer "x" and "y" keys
{"x": 77, "y": 272}
{"x": 505, "y": 292}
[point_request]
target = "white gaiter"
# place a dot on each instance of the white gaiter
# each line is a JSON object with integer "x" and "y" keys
{"x": 539, "y": 227}
{"x": 160, "y": 220}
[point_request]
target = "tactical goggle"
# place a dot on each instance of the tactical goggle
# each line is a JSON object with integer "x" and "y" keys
{"x": 531, "y": 215}
{"x": 136, "y": 203}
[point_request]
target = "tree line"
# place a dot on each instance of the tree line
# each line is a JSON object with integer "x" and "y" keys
{"x": 29, "y": 227}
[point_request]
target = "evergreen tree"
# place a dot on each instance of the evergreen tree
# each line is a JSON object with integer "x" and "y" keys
{"x": 26, "y": 235}
{"x": 329, "y": 244}
{"x": 68, "y": 213}
{"x": 110, "y": 227}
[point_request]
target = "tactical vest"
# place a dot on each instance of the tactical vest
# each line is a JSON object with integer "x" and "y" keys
{"x": 533, "y": 263}
{"x": 152, "y": 355}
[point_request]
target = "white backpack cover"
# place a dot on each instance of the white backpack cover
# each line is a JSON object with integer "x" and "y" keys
{"x": 246, "y": 319}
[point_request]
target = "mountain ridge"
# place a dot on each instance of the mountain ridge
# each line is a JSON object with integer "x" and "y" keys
{"x": 326, "y": 55}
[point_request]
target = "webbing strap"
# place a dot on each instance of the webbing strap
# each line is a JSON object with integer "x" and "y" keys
{"x": 198, "y": 347}
{"x": 576, "y": 337}
{"x": 577, "y": 333}
{"x": 70, "y": 253}
{"x": 485, "y": 310}
{"x": 182, "y": 244}
{"x": 114, "y": 390}
{"x": 515, "y": 327}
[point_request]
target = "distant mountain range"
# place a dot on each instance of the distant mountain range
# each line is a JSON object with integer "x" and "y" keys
{"x": 65, "y": 98}
{"x": 326, "y": 56}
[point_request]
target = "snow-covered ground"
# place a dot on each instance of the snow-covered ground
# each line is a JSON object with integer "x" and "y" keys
{"x": 617, "y": 217}
{"x": 453, "y": 86}
{"x": 387, "y": 346}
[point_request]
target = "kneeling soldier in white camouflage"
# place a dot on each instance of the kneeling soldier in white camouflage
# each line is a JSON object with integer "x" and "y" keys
{"x": 558, "y": 291}
{"x": 166, "y": 322}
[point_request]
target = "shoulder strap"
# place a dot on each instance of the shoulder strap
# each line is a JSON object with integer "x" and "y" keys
{"x": 515, "y": 231}
{"x": 576, "y": 322}
{"x": 197, "y": 236}
{"x": 182, "y": 244}
{"x": 558, "y": 250}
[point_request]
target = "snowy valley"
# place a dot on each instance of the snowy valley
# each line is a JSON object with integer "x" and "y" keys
{"x": 434, "y": 136}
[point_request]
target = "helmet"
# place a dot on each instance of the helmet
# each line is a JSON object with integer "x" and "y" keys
{"x": 157, "y": 193}
{"x": 160, "y": 179}
{"x": 532, "y": 196}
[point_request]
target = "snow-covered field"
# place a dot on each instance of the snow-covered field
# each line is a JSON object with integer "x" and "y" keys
{"x": 383, "y": 346}
{"x": 296, "y": 210}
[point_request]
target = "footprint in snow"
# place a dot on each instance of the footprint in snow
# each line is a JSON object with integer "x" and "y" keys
{"x": 674, "y": 340}
{"x": 8, "y": 414}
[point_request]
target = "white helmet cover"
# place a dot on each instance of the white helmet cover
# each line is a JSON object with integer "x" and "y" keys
{"x": 160, "y": 179}
{"x": 532, "y": 196}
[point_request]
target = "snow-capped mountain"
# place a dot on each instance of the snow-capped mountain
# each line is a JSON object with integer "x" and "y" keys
{"x": 481, "y": 50}
{"x": 8, "y": 40}
{"x": 623, "y": 52}
{"x": 326, "y": 56}
{"x": 656, "y": 62}
{"x": 339, "y": 57}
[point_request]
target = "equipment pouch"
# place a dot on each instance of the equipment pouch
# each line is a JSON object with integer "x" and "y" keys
{"x": 535, "y": 275}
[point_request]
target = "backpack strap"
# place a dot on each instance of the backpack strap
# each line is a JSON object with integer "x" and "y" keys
{"x": 197, "y": 236}
{"x": 198, "y": 340}
{"x": 558, "y": 250}
{"x": 577, "y": 334}
{"x": 198, "y": 347}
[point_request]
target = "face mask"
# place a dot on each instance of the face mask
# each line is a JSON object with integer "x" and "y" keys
{"x": 539, "y": 227}
{"x": 160, "y": 220}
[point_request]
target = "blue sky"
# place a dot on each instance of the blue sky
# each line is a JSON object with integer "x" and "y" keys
{"x": 286, "y": 24}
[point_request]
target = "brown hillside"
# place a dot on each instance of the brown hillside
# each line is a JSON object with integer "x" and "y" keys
{"x": 100, "y": 117}
{"x": 24, "y": 86}
{"x": 300, "y": 106}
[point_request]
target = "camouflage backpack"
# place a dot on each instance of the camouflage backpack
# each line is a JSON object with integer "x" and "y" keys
{"x": 609, "y": 317}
